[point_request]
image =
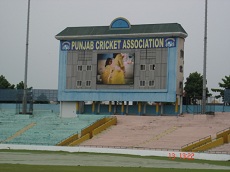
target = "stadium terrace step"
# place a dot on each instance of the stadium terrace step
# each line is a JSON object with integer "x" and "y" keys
{"x": 90, "y": 131}
{"x": 18, "y": 133}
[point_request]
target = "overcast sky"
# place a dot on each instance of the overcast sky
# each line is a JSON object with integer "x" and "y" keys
{"x": 49, "y": 17}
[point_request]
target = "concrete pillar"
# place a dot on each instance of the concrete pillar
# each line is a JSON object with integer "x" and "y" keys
{"x": 157, "y": 108}
{"x": 93, "y": 107}
{"x": 110, "y": 107}
{"x": 144, "y": 109}
{"x": 122, "y": 108}
{"x": 181, "y": 104}
{"x": 98, "y": 107}
{"x": 162, "y": 108}
{"x": 176, "y": 105}
{"x": 77, "y": 107}
{"x": 127, "y": 107}
{"x": 115, "y": 107}
{"x": 139, "y": 108}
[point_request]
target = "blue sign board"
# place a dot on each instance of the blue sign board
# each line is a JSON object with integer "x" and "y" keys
{"x": 117, "y": 44}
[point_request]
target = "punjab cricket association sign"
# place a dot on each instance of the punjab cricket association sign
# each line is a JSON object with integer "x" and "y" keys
{"x": 118, "y": 44}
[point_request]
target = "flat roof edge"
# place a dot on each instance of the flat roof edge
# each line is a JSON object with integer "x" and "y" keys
{"x": 137, "y": 35}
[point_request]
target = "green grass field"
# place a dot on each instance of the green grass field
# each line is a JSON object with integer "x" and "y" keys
{"x": 57, "y": 168}
{"x": 39, "y": 168}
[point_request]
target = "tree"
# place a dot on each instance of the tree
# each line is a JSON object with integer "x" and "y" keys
{"x": 194, "y": 86}
{"x": 20, "y": 85}
{"x": 224, "y": 85}
{"x": 4, "y": 84}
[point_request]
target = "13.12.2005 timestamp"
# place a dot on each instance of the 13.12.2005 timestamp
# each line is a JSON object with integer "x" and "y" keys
{"x": 182, "y": 155}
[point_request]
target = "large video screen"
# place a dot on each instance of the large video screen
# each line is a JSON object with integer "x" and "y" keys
{"x": 115, "y": 68}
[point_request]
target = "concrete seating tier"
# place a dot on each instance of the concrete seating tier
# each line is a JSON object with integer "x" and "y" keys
{"x": 49, "y": 128}
{"x": 159, "y": 132}
{"x": 151, "y": 132}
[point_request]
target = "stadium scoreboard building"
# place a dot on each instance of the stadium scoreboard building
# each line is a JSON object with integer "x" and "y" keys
{"x": 120, "y": 62}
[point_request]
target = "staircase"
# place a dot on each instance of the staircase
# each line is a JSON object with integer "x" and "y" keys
{"x": 207, "y": 143}
{"x": 89, "y": 132}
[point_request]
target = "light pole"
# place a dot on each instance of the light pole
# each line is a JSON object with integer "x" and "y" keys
{"x": 24, "y": 106}
{"x": 205, "y": 58}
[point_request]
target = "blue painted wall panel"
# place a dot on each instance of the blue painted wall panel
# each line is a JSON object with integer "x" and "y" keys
{"x": 133, "y": 110}
{"x": 164, "y": 95}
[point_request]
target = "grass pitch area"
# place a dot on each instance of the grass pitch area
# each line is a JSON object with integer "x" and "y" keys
{"x": 39, "y": 168}
{"x": 37, "y": 161}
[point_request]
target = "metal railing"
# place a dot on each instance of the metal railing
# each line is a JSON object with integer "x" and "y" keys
{"x": 35, "y": 95}
{"x": 196, "y": 141}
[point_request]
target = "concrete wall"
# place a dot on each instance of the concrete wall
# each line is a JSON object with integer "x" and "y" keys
{"x": 204, "y": 156}
{"x": 164, "y": 77}
{"x": 68, "y": 109}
